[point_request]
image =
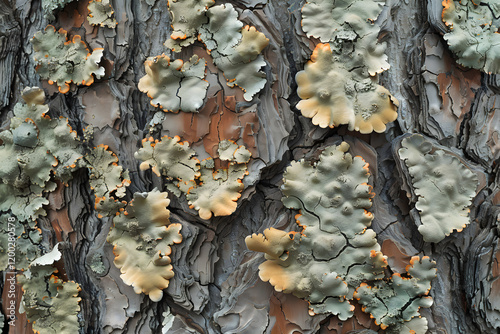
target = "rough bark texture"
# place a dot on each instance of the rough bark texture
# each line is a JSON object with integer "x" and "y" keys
{"x": 216, "y": 287}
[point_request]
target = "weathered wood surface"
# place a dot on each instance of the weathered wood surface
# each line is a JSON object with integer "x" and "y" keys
{"x": 216, "y": 288}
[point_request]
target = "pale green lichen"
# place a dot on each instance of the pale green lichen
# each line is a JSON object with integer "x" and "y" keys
{"x": 142, "y": 236}
{"x": 62, "y": 62}
{"x": 331, "y": 95}
{"x": 399, "y": 299}
{"x": 335, "y": 251}
{"x": 107, "y": 179}
{"x": 208, "y": 190}
{"x": 51, "y": 305}
{"x": 101, "y": 13}
{"x": 474, "y": 33}
{"x": 348, "y": 24}
{"x": 37, "y": 150}
{"x": 444, "y": 186}
{"x": 20, "y": 238}
{"x": 236, "y": 50}
{"x": 175, "y": 85}
{"x": 50, "y": 6}
{"x": 187, "y": 17}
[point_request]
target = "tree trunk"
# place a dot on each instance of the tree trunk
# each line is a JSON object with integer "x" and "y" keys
{"x": 216, "y": 286}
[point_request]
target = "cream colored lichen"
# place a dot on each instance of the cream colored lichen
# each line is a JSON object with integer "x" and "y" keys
{"x": 474, "y": 32}
{"x": 335, "y": 251}
{"x": 444, "y": 186}
{"x": 175, "y": 85}
{"x": 141, "y": 238}
{"x": 331, "y": 95}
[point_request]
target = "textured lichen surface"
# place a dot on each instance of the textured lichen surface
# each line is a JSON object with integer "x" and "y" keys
{"x": 208, "y": 189}
{"x": 37, "y": 151}
{"x": 236, "y": 50}
{"x": 175, "y": 85}
{"x": 332, "y": 95}
{"x": 51, "y": 305}
{"x": 50, "y": 6}
{"x": 101, "y": 13}
{"x": 61, "y": 61}
{"x": 394, "y": 301}
{"x": 348, "y": 24}
{"x": 107, "y": 179}
{"x": 141, "y": 238}
{"x": 335, "y": 252}
{"x": 473, "y": 32}
{"x": 444, "y": 185}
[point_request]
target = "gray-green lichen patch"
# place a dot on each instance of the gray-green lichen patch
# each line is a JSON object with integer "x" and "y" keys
{"x": 473, "y": 34}
{"x": 332, "y": 95}
{"x": 61, "y": 61}
{"x": 51, "y": 305}
{"x": 141, "y": 239}
{"x": 20, "y": 238}
{"x": 394, "y": 301}
{"x": 175, "y": 85}
{"x": 348, "y": 24}
{"x": 236, "y": 50}
{"x": 335, "y": 251}
{"x": 101, "y": 13}
{"x": 107, "y": 179}
{"x": 207, "y": 189}
{"x": 37, "y": 149}
{"x": 50, "y": 6}
{"x": 444, "y": 187}
{"x": 187, "y": 17}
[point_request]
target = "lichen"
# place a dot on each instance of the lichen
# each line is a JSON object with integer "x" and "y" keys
{"x": 473, "y": 33}
{"x": 348, "y": 24}
{"x": 107, "y": 179}
{"x": 141, "y": 238}
{"x": 207, "y": 189}
{"x": 50, "y": 6}
{"x": 187, "y": 17}
{"x": 51, "y": 305}
{"x": 394, "y": 301}
{"x": 444, "y": 186}
{"x": 236, "y": 50}
{"x": 335, "y": 251}
{"x": 22, "y": 238}
{"x": 175, "y": 85}
{"x": 37, "y": 150}
{"x": 101, "y": 13}
{"x": 61, "y": 61}
{"x": 332, "y": 95}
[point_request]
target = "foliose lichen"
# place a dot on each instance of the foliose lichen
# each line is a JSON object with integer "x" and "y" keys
{"x": 208, "y": 189}
{"x": 236, "y": 50}
{"x": 50, "y": 6}
{"x": 397, "y": 300}
{"x": 332, "y": 95}
{"x": 37, "y": 149}
{"x": 51, "y": 305}
{"x": 141, "y": 237}
{"x": 61, "y": 61}
{"x": 107, "y": 179}
{"x": 175, "y": 85}
{"x": 101, "y": 13}
{"x": 473, "y": 33}
{"x": 335, "y": 251}
{"x": 339, "y": 84}
{"x": 444, "y": 186}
